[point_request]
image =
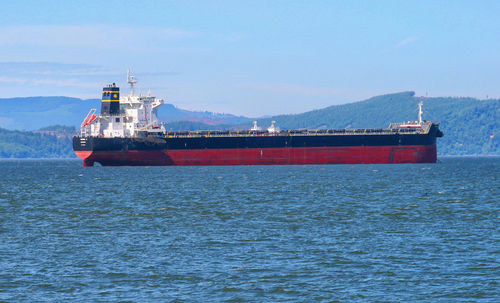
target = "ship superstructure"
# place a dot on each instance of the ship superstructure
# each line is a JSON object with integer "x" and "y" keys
{"x": 127, "y": 132}
{"x": 133, "y": 115}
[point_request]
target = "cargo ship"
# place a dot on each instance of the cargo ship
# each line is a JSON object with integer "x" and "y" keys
{"x": 127, "y": 132}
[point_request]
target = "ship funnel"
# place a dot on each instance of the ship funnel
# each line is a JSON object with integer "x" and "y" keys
{"x": 110, "y": 104}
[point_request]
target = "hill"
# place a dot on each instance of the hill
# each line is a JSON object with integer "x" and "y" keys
{"x": 170, "y": 113}
{"x": 26, "y": 144}
{"x": 33, "y": 113}
{"x": 36, "y": 112}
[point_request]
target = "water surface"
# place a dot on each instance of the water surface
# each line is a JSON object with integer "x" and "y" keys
{"x": 406, "y": 232}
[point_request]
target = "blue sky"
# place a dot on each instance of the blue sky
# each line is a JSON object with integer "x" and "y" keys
{"x": 251, "y": 57}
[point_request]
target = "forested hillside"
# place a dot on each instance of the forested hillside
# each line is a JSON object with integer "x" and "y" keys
{"x": 25, "y": 144}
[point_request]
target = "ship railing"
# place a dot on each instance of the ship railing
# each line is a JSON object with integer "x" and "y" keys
{"x": 319, "y": 132}
{"x": 85, "y": 131}
{"x": 420, "y": 127}
{"x": 426, "y": 128}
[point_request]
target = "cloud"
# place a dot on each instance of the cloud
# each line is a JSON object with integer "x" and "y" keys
{"x": 49, "y": 82}
{"x": 53, "y": 74}
{"x": 89, "y": 36}
{"x": 57, "y": 74}
{"x": 51, "y": 68}
{"x": 11, "y": 80}
{"x": 65, "y": 83}
{"x": 57, "y": 78}
{"x": 406, "y": 41}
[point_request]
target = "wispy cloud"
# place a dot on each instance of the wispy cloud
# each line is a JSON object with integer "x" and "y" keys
{"x": 66, "y": 83}
{"x": 52, "y": 68}
{"x": 49, "y": 82}
{"x": 57, "y": 75}
{"x": 89, "y": 36}
{"x": 406, "y": 41}
{"x": 11, "y": 80}
{"x": 53, "y": 74}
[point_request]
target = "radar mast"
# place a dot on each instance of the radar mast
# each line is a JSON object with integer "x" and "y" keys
{"x": 420, "y": 112}
{"x": 132, "y": 81}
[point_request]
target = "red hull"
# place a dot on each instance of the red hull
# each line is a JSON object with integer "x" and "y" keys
{"x": 265, "y": 156}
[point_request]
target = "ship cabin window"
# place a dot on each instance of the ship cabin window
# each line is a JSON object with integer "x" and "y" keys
{"x": 117, "y": 120}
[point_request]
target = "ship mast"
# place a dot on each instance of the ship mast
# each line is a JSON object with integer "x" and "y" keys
{"x": 420, "y": 112}
{"x": 132, "y": 81}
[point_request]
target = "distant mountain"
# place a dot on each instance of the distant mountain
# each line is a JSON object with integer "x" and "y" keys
{"x": 32, "y": 113}
{"x": 170, "y": 113}
{"x": 190, "y": 125}
{"x": 36, "y": 112}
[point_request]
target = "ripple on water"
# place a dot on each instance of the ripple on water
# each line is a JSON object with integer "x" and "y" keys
{"x": 250, "y": 234}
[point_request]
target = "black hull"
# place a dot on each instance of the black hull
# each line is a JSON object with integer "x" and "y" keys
{"x": 364, "y": 146}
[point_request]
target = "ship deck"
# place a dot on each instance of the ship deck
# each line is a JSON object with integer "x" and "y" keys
{"x": 303, "y": 132}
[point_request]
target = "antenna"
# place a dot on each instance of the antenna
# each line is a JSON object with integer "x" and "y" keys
{"x": 132, "y": 81}
{"x": 420, "y": 112}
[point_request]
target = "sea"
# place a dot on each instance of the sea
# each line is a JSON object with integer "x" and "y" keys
{"x": 312, "y": 233}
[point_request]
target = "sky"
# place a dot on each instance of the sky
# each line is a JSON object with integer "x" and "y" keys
{"x": 251, "y": 58}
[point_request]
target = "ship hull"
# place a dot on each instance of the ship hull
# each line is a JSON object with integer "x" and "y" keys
{"x": 390, "y": 147}
{"x": 267, "y": 156}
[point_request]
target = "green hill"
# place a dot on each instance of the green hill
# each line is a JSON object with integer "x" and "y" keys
{"x": 42, "y": 144}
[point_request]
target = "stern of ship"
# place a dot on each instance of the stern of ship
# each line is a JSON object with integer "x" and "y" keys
{"x": 83, "y": 149}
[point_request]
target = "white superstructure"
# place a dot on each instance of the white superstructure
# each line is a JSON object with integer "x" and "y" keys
{"x": 137, "y": 116}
